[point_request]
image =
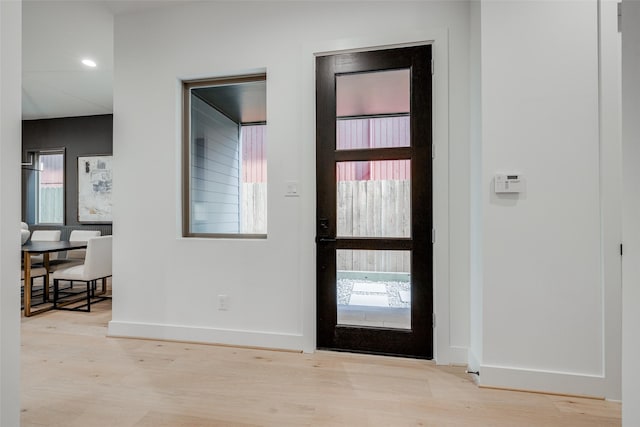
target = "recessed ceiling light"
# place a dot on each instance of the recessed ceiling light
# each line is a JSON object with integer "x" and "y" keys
{"x": 89, "y": 62}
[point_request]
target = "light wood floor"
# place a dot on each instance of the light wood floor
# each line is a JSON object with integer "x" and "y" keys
{"x": 73, "y": 376}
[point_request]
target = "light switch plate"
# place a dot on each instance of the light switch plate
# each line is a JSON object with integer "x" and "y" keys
{"x": 291, "y": 189}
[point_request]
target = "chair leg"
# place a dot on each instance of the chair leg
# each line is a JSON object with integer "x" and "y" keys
{"x": 55, "y": 293}
{"x": 89, "y": 286}
{"x": 33, "y": 279}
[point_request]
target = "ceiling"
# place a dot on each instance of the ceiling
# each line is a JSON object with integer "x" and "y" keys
{"x": 56, "y": 36}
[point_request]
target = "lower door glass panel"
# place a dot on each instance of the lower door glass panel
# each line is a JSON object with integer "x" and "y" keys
{"x": 373, "y": 288}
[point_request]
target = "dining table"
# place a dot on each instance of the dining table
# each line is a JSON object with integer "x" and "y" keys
{"x": 44, "y": 248}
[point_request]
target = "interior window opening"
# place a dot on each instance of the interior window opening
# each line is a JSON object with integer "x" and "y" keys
{"x": 225, "y": 158}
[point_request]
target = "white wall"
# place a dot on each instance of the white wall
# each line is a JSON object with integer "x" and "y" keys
{"x": 545, "y": 308}
{"x": 611, "y": 191}
{"x": 549, "y": 255}
{"x": 475, "y": 168}
{"x": 10, "y": 143}
{"x": 167, "y": 285}
{"x": 631, "y": 212}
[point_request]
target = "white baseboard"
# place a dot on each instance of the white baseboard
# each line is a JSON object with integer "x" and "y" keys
{"x": 542, "y": 381}
{"x": 267, "y": 340}
{"x": 473, "y": 361}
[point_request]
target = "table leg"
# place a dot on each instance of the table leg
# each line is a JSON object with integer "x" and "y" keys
{"x": 45, "y": 286}
{"x": 27, "y": 284}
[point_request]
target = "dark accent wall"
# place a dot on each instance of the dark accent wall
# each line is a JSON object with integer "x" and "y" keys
{"x": 79, "y": 136}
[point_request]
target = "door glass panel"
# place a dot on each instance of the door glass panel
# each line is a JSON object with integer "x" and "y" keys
{"x": 373, "y": 93}
{"x": 374, "y": 288}
{"x": 373, "y": 132}
{"x": 374, "y": 198}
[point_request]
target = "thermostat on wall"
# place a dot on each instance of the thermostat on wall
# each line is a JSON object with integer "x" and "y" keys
{"x": 508, "y": 183}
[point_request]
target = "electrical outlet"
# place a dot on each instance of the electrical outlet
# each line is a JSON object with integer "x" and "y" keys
{"x": 223, "y": 302}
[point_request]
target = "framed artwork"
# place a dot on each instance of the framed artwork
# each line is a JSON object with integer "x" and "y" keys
{"x": 95, "y": 179}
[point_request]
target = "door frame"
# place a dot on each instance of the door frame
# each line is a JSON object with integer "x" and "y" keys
{"x": 444, "y": 350}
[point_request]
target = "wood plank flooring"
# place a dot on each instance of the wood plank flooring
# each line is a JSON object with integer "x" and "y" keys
{"x": 72, "y": 376}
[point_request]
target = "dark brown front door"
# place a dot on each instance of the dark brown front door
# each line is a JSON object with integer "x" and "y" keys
{"x": 374, "y": 209}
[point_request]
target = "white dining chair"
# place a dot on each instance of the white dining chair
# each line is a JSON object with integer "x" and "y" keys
{"x": 24, "y": 232}
{"x": 44, "y": 236}
{"x": 97, "y": 265}
{"x": 80, "y": 236}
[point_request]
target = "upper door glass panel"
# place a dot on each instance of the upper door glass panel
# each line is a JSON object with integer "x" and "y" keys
{"x": 374, "y": 132}
{"x": 375, "y": 93}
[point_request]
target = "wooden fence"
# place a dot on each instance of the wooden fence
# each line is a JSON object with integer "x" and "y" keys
{"x": 374, "y": 208}
{"x": 254, "y": 208}
{"x": 379, "y": 208}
